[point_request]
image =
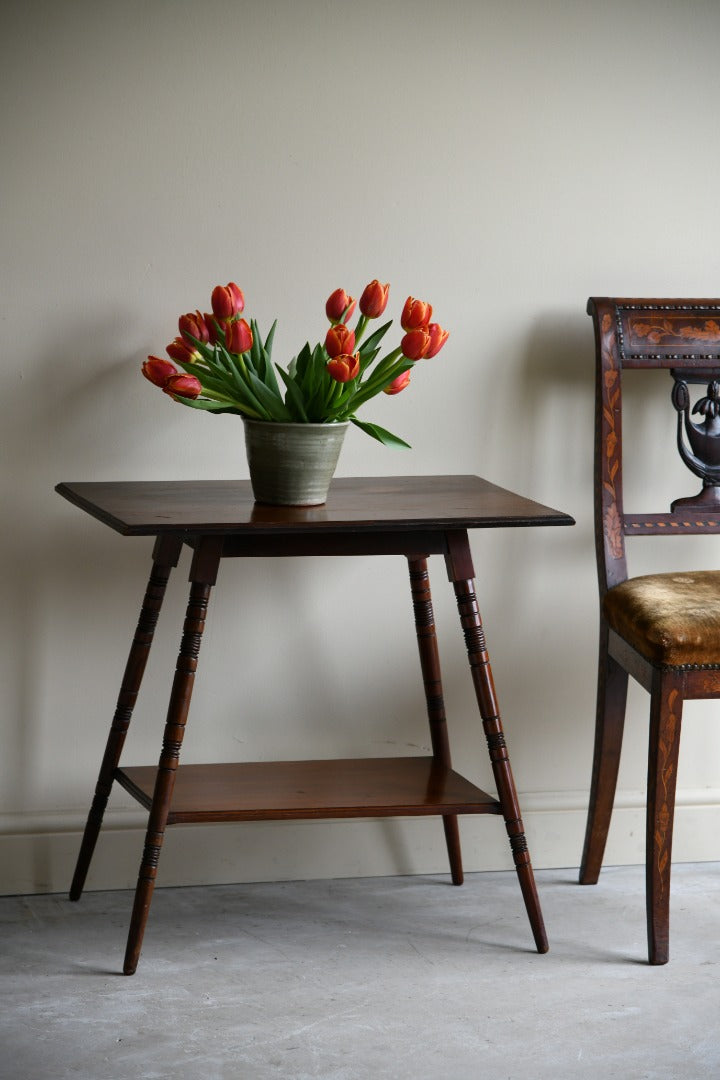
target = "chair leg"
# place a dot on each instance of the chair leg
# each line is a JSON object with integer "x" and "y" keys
{"x": 609, "y": 724}
{"x": 432, "y": 682}
{"x": 665, "y": 722}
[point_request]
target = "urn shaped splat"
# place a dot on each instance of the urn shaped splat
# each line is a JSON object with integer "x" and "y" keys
{"x": 701, "y": 453}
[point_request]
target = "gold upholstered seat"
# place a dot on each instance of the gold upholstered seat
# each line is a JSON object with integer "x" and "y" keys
{"x": 663, "y": 629}
{"x": 671, "y": 619}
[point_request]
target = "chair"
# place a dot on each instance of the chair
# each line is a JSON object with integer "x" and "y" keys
{"x": 663, "y": 629}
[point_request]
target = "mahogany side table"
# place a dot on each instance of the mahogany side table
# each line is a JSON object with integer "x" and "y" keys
{"x": 410, "y": 516}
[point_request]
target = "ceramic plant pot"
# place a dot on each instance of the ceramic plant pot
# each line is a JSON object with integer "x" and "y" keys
{"x": 292, "y": 464}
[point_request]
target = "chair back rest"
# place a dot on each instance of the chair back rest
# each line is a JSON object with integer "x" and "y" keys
{"x": 682, "y": 336}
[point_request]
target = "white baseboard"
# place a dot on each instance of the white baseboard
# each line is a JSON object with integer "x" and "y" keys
{"x": 38, "y": 851}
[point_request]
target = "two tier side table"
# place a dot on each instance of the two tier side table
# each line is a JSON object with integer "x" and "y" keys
{"x": 412, "y": 517}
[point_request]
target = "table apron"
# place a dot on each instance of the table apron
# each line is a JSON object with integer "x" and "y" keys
{"x": 413, "y": 544}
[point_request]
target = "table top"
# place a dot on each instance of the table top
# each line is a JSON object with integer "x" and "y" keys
{"x": 360, "y": 504}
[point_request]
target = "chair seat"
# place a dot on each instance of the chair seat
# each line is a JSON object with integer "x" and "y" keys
{"x": 673, "y": 620}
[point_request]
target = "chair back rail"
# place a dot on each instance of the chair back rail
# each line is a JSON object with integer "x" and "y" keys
{"x": 682, "y": 336}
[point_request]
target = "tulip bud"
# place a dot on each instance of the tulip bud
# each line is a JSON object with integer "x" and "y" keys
{"x": 374, "y": 299}
{"x": 398, "y": 384}
{"x": 157, "y": 370}
{"x": 193, "y": 324}
{"x": 415, "y": 314}
{"x": 415, "y": 343}
{"x": 238, "y": 336}
{"x": 339, "y": 306}
{"x": 438, "y": 337}
{"x": 180, "y": 350}
{"x": 227, "y": 301}
{"x": 183, "y": 386}
{"x": 339, "y": 340}
{"x": 344, "y": 368}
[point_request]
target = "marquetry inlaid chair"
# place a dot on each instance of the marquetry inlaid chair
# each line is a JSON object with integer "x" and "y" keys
{"x": 663, "y": 629}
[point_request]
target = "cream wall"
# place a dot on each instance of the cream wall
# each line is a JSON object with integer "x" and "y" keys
{"x": 502, "y": 159}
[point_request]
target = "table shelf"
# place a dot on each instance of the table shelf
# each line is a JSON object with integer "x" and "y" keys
{"x": 281, "y": 790}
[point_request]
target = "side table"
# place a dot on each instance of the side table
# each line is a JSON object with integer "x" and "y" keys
{"x": 410, "y": 516}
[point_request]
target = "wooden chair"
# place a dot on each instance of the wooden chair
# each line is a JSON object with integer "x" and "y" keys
{"x": 663, "y": 629}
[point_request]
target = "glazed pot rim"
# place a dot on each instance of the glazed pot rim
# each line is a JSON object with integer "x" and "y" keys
{"x": 296, "y": 423}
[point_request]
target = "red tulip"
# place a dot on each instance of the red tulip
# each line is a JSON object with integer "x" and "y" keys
{"x": 438, "y": 337}
{"x": 182, "y": 351}
{"x": 238, "y": 336}
{"x": 374, "y": 299}
{"x": 227, "y": 301}
{"x": 344, "y": 368}
{"x": 339, "y": 306}
{"x": 398, "y": 384}
{"x": 209, "y": 320}
{"x": 415, "y": 314}
{"x": 415, "y": 344}
{"x": 157, "y": 370}
{"x": 339, "y": 340}
{"x": 183, "y": 386}
{"x": 193, "y": 324}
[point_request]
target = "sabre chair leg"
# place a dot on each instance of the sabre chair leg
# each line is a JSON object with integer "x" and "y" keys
{"x": 203, "y": 575}
{"x": 165, "y": 556}
{"x": 664, "y": 746}
{"x": 462, "y": 575}
{"x": 432, "y": 682}
{"x": 609, "y": 725}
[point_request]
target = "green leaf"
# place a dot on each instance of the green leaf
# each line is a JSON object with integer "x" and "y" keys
{"x": 269, "y": 340}
{"x": 263, "y": 366}
{"x": 302, "y": 361}
{"x": 294, "y": 399}
{"x": 208, "y": 406}
{"x": 273, "y": 403}
{"x": 366, "y": 361}
{"x": 373, "y": 342}
{"x": 376, "y": 432}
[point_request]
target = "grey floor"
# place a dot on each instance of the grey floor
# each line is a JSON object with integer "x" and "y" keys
{"x": 385, "y": 978}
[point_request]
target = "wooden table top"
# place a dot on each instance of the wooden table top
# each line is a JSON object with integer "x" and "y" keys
{"x": 360, "y": 504}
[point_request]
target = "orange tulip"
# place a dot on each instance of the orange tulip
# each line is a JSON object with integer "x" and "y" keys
{"x": 374, "y": 299}
{"x": 227, "y": 301}
{"x": 339, "y": 340}
{"x": 343, "y": 368}
{"x": 415, "y": 344}
{"x": 438, "y": 337}
{"x": 339, "y": 306}
{"x": 238, "y": 336}
{"x": 193, "y": 324}
{"x": 415, "y": 314}
{"x": 183, "y": 386}
{"x": 398, "y": 384}
{"x": 157, "y": 370}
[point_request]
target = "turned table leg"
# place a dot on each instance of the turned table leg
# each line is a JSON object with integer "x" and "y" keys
{"x": 203, "y": 575}
{"x": 462, "y": 576}
{"x": 165, "y": 556}
{"x": 432, "y": 682}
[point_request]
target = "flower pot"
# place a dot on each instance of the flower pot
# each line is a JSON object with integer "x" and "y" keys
{"x": 292, "y": 464}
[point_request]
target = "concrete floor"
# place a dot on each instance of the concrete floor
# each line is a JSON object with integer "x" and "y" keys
{"x": 401, "y": 978}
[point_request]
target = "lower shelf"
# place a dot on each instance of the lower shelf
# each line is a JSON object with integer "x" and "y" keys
{"x": 353, "y": 787}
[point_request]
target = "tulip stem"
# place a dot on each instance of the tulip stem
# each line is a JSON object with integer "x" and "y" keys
{"x": 360, "y": 328}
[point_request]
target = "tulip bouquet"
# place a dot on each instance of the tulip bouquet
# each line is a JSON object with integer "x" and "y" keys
{"x": 226, "y": 366}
